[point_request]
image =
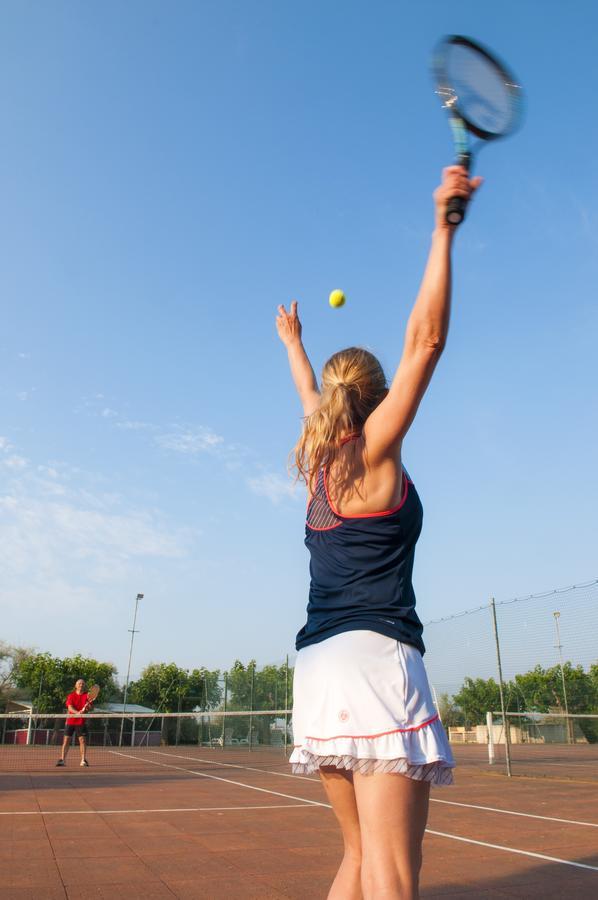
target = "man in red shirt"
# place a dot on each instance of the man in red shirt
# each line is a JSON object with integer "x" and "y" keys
{"x": 77, "y": 702}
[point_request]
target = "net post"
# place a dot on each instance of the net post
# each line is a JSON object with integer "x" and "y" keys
{"x": 435, "y": 698}
{"x": 501, "y": 690}
{"x": 490, "y": 727}
{"x": 286, "y": 704}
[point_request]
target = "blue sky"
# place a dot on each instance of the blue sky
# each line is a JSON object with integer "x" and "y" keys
{"x": 172, "y": 172}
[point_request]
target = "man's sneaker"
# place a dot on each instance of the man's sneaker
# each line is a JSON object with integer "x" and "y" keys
{"x": 83, "y": 762}
{"x": 60, "y": 762}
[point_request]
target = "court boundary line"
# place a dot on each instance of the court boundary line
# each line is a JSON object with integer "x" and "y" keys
{"x": 180, "y": 809}
{"x": 506, "y": 812}
{"x": 304, "y": 802}
{"x": 453, "y": 837}
{"x": 513, "y": 812}
{"x": 556, "y": 859}
{"x": 152, "y": 762}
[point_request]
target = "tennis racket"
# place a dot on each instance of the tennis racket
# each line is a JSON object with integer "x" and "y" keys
{"x": 92, "y": 695}
{"x": 482, "y": 98}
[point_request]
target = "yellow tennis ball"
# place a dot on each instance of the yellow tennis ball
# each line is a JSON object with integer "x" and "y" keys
{"x": 336, "y": 299}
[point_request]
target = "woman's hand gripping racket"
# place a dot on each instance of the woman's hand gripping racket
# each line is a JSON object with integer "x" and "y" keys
{"x": 481, "y": 97}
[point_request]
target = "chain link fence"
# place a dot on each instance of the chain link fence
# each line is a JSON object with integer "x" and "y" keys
{"x": 520, "y": 676}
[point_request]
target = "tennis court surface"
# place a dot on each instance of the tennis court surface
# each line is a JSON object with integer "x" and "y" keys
{"x": 200, "y": 822}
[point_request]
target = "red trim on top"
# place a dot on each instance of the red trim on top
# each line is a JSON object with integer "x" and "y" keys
{"x": 350, "y": 437}
{"x": 370, "y": 515}
{"x": 435, "y": 718}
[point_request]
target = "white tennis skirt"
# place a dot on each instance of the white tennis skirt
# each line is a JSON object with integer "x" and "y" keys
{"x": 362, "y": 702}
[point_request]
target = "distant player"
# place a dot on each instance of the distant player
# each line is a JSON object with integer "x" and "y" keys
{"x": 77, "y": 702}
{"x": 363, "y": 714}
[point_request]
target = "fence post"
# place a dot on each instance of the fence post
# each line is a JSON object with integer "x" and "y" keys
{"x": 177, "y": 732}
{"x": 286, "y": 704}
{"x": 251, "y": 707}
{"x": 224, "y": 712}
{"x": 507, "y": 725}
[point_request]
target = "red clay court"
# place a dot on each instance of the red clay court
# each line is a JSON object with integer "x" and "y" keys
{"x": 193, "y": 822}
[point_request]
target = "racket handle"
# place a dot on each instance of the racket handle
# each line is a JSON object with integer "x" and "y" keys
{"x": 455, "y": 208}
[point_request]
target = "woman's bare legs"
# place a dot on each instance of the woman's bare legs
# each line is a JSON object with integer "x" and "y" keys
{"x": 392, "y": 811}
{"x": 338, "y": 784}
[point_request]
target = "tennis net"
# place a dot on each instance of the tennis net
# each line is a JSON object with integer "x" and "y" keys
{"x": 30, "y": 742}
{"x": 546, "y": 745}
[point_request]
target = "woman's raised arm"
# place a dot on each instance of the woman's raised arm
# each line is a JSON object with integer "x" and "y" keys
{"x": 426, "y": 332}
{"x": 289, "y": 332}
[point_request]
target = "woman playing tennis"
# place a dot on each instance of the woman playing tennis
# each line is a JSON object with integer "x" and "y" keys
{"x": 363, "y": 714}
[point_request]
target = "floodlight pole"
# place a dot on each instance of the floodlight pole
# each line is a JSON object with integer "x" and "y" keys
{"x": 559, "y": 647}
{"x": 133, "y": 631}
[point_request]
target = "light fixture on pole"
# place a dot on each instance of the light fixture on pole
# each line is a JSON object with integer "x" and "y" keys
{"x": 133, "y": 631}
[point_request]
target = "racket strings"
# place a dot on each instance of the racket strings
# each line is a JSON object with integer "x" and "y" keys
{"x": 478, "y": 90}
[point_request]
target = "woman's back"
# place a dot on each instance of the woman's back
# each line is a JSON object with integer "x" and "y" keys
{"x": 356, "y": 487}
{"x": 361, "y": 557}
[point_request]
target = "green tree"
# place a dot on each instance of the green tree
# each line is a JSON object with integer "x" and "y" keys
{"x": 476, "y": 697}
{"x": 542, "y": 689}
{"x": 593, "y": 682}
{"x": 10, "y": 659}
{"x": 263, "y": 689}
{"x": 168, "y": 688}
{"x": 259, "y": 691}
{"x": 48, "y": 679}
{"x": 449, "y": 711}
{"x": 205, "y": 688}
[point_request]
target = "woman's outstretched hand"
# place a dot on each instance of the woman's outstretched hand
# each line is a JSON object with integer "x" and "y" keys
{"x": 288, "y": 325}
{"x": 455, "y": 183}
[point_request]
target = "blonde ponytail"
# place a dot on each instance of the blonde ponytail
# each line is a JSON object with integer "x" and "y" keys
{"x": 353, "y": 384}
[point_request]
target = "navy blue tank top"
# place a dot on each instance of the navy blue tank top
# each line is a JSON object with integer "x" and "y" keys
{"x": 361, "y": 569}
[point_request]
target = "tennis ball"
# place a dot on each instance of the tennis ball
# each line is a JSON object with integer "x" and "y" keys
{"x": 336, "y": 299}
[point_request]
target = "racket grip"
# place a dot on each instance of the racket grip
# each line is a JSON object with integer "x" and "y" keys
{"x": 456, "y": 207}
{"x": 455, "y": 210}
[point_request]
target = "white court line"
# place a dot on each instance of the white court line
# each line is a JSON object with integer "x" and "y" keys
{"x": 452, "y": 837}
{"x": 225, "y": 780}
{"x": 214, "y": 762}
{"x": 175, "y": 809}
{"x": 506, "y": 812}
{"x": 564, "y": 862}
{"x": 305, "y": 802}
{"x": 587, "y": 765}
{"x": 511, "y": 812}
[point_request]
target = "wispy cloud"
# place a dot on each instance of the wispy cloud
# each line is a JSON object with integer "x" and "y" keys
{"x": 274, "y": 486}
{"x": 15, "y": 462}
{"x": 190, "y": 441}
{"x": 61, "y": 542}
{"x": 133, "y": 425}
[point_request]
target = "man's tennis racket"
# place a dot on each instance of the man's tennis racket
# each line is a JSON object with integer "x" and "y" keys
{"x": 92, "y": 695}
{"x": 481, "y": 96}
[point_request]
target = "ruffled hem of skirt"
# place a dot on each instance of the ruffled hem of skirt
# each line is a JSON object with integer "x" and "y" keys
{"x": 438, "y": 773}
{"x": 422, "y": 754}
